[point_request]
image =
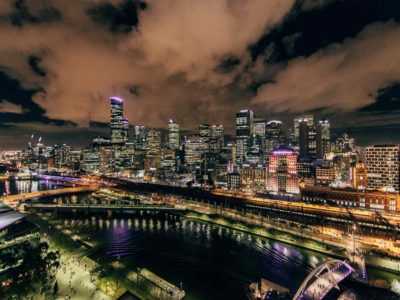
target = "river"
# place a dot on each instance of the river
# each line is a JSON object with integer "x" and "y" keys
{"x": 211, "y": 262}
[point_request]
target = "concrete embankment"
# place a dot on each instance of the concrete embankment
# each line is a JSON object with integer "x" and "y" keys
{"x": 294, "y": 238}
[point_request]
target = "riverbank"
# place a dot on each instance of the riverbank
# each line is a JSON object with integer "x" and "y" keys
{"x": 112, "y": 279}
{"x": 380, "y": 263}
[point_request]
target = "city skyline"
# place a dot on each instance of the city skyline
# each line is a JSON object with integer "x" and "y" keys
{"x": 200, "y": 149}
{"x": 280, "y": 65}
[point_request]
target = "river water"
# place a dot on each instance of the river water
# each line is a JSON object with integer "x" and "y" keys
{"x": 211, "y": 262}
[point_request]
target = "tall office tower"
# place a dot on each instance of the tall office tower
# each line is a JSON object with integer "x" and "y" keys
{"x": 309, "y": 119}
{"x": 259, "y": 128}
{"x": 125, "y": 130}
{"x": 173, "y": 135}
{"x": 382, "y": 163}
{"x": 324, "y": 133}
{"x": 194, "y": 147}
{"x": 217, "y": 133}
{"x": 314, "y": 142}
{"x": 302, "y": 139}
{"x": 118, "y": 125}
{"x": 140, "y": 139}
{"x": 282, "y": 171}
{"x": 274, "y": 136}
{"x": 61, "y": 155}
{"x": 255, "y": 155}
{"x": 153, "y": 152}
{"x": 244, "y": 121}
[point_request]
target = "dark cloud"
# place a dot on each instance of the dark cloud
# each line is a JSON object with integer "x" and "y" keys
{"x": 387, "y": 100}
{"x": 228, "y": 64}
{"x": 61, "y": 60}
{"x": 321, "y": 25}
{"x": 24, "y": 15}
{"x": 121, "y": 18}
{"x": 34, "y": 62}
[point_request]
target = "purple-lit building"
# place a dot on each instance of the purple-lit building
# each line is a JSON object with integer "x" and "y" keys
{"x": 282, "y": 171}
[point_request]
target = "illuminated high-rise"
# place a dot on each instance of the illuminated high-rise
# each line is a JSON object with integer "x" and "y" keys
{"x": 217, "y": 138}
{"x": 119, "y": 126}
{"x": 282, "y": 171}
{"x": 383, "y": 167}
{"x": 274, "y": 135}
{"x": 244, "y": 121}
{"x": 324, "y": 134}
{"x": 140, "y": 137}
{"x": 173, "y": 135}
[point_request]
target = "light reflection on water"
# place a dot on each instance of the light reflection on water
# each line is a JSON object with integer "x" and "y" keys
{"x": 212, "y": 262}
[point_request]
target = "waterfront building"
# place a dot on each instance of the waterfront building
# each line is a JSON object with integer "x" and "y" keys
{"x": 369, "y": 199}
{"x": 383, "y": 169}
{"x": 173, "y": 135}
{"x": 282, "y": 171}
{"x": 15, "y": 231}
{"x": 119, "y": 126}
{"x": 244, "y": 121}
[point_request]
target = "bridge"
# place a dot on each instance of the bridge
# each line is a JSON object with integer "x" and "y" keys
{"x": 14, "y": 200}
{"x": 323, "y": 279}
{"x": 96, "y": 208}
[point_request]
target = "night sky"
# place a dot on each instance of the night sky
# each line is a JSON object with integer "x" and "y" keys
{"x": 197, "y": 62}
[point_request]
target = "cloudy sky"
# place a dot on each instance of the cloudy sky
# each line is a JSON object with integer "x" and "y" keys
{"x": 197, "y": 62}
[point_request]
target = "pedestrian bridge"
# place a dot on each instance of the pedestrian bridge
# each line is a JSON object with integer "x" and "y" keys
{"x": 323, "y": 279}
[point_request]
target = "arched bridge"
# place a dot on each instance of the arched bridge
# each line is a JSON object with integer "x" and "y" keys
{"x": 322, "y": 279}
{"x": 13, "y": 200}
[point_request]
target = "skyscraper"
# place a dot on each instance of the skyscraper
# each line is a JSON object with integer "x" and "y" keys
{"x": 173, "y": 135}
{"x": 309, "y": 119}
{"x": 217, "y": 138}
{"x": 274, "y": 136}
{"x": 244, "y": 121}
{"x": 119, "y": 126}
{"x": 153, "y": 152}
{"x": 323, "y": 130}
{"x": 140, "y": 139}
